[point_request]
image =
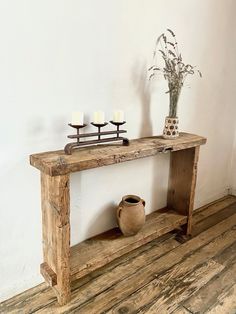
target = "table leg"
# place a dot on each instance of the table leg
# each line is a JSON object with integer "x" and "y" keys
{"x": 182, "y": 183}
{"x": 56, "y": 234}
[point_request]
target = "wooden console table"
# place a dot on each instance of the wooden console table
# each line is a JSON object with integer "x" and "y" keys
{"x": 63, "y": 263}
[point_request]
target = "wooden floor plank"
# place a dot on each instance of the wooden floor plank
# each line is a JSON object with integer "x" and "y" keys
{"x": 210, "y": 209}
{"x": 116, "y": 271}
{"x": 213, "y": 219}
{"x": 226, "y": 303}
{"x": 228, "y": 256}
{"x": 19, "y": 298}
{"x": 156, "y": 290}
{"x": 112, "y": 278}
{"x": 209, "y": 215}
{"x": 163, "y": 254}
{"x": 207, "y": 296}
{"x": 172, "y": 290}
{"x": 223, "y": 235}
{"x": 181, "y": 310}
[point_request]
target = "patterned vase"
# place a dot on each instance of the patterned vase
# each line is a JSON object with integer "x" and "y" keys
{"x": 171, "y": 129}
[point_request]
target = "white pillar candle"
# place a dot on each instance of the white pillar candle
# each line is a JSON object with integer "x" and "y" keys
{"x": 118, "y": 116}
{"x": 77, "y": 118}
{"x": 99, "y": 117}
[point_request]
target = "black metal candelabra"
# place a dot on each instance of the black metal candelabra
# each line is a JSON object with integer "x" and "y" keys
{"x": 99, "y": 134}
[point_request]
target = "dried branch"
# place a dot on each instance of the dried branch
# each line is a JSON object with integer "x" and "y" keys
{"x": 174, "y": 70}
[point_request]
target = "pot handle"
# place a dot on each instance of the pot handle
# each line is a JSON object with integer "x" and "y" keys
{"x": 119, "y": 211}
{"x": 143, "y": 202}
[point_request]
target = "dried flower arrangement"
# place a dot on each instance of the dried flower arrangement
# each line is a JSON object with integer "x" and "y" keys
{"x": 174, "y": 71}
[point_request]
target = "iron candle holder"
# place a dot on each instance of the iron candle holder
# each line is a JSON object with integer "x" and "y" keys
{"x": 99, "y": 134}
{"x": 117, "y": 124}
{"x": 99, "y": 126}
{"x": 77, "y": 127}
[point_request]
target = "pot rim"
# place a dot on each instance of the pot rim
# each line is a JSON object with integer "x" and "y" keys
{"x": 135, "y": 197}
{"x": 167, "y": 117}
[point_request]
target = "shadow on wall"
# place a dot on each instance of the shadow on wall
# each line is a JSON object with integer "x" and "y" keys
{"x": 160, "y": 176}
{"x": 140, "y": 82}
{"x": 160, "y": 163}
{"x": 105, "y": 217}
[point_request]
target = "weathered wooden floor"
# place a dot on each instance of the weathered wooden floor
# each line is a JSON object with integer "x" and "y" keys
{"x": 164, "y": 276}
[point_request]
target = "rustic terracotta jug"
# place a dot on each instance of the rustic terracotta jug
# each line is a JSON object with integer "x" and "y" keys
{"x": 131, "y": 214}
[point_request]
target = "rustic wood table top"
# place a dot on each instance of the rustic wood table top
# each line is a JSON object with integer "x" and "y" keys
{"x": 58, "y": 163}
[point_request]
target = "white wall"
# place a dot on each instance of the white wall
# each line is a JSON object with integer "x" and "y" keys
{"x": 58, "y": 56}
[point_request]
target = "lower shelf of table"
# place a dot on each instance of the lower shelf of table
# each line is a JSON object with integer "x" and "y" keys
{"x": 98, "y": 251}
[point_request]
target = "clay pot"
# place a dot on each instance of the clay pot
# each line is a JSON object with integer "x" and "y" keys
{"x": 131, "y": 214}
{"x": 171, "y": 129}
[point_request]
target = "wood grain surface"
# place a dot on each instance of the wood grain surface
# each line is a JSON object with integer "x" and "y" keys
{"x": 182, "y": 183}
{"x": 163, "y": 276}
{"x": 58, "y": 163}
{"x": 100, "y": 250}
{"x": 56, "y": 233}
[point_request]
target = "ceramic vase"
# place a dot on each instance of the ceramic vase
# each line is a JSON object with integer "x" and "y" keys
{"x": 171, "y": 129}
{"x": 131, "y": 214}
